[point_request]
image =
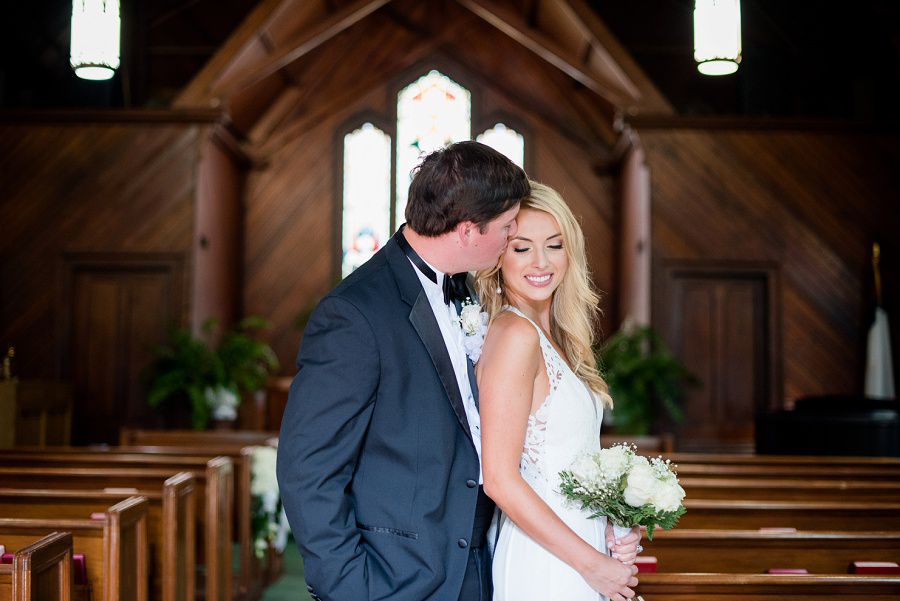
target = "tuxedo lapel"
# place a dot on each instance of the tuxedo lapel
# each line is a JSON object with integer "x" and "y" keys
{"x": 423, "y": 320}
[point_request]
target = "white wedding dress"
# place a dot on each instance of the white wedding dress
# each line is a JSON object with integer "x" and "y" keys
{"x": 565, "y": 426}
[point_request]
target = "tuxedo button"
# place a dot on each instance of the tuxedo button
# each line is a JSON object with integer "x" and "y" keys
{"x": 471, "y": 483}
{"x": 462, "y": 543}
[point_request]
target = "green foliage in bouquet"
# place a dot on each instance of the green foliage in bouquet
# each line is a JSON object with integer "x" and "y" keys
{"x": 627, "y": 488}
{"x": 186, "y": 367}
{"x": 642, "y": 376}
{"x": 616, "y": 510}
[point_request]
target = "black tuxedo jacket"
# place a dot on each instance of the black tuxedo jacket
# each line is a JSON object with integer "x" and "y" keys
{"x": 376, "y": 464}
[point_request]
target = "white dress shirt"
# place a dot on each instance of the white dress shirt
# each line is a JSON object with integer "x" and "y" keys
{"x": 453, "y": 339}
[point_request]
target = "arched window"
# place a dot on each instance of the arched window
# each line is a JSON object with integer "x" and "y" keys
{"x": 367, "y": 195}
{"x": 506, "y": 140}
{"x": 432, "y": 111}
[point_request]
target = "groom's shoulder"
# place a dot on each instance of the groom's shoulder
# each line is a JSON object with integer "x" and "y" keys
{"x": 370, "y": 281}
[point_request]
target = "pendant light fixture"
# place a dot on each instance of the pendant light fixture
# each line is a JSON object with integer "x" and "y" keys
{"x": 717, "y": 36}
{"x": 95, "y": 38}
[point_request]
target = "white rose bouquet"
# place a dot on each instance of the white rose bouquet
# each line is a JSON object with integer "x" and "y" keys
{"x": 268, "y": 520}
{"x": 627, "y": 488}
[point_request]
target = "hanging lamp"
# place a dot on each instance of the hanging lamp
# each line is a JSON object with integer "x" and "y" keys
{"x": 95, "y": 38}
{"x": 717, "y": 36}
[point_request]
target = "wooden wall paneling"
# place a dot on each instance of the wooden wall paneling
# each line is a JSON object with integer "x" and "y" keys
{"x": 118, "y": 307}
{"x": 809, "y": 199}
{"x": 76, "y": 183}
{"x": 720, "y": 319}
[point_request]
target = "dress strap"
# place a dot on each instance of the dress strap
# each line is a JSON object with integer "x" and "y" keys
{"x": 552, "y": 361}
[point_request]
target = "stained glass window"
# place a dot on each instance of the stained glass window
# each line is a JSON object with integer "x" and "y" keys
{"x": 432, "y": 112}
{"x": 367, "y": 195}
{"x": 505, "y": 140}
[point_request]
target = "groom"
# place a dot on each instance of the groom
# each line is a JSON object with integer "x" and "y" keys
{"x": 379, "y": 454}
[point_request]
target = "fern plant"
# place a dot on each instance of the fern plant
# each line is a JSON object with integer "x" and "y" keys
{"x": 187, "y": 368}
{"x": 644, "y": 379}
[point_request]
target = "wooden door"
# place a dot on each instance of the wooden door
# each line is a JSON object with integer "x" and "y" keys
{"x": 119, "y": 308}
{"x": 719, "y": 319}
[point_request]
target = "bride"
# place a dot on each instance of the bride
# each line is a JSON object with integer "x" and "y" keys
{"x": 541, "y": 402}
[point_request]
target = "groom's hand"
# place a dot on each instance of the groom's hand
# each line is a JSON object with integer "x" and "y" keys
{"x": 624, "y": 549}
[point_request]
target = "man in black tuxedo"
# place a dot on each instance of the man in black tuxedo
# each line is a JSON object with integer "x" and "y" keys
{"x": 379, "y": 454}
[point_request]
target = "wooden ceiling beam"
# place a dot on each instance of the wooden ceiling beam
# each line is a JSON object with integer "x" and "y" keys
{"x": 301, "y": 46}
{"x": 593, "y": 44}
{"x": 617, "y": 59}
{"x": 506, "y": 22}
{"x": 197, "y": 92}
{"x": 333, "y": 103}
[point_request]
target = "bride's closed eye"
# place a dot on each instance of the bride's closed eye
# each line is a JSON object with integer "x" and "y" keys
{"x": 521, "y": 249}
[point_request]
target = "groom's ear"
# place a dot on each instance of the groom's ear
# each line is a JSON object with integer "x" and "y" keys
{"x": 465, "y": 230}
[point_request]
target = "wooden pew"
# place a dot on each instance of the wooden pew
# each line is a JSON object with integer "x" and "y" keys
{"x": 114, "y": 547}
{"x": 193, "y": 438}
{"x": 890, "y": 463}
{"x": 753, "y": 551}
{"x": 171, "y": 525}
{"x": 215, "y": 503}
{"x": 767, "y": 587}
{"x": 802, "y": 515}
{"x": 188, "y": 457}
{"x": 249, "y": 579}
{"x": 41, "y": 571}
{"x": 236, "y": 444}
{"x": 787, "y": 472}
{"x": 780, "y": 489}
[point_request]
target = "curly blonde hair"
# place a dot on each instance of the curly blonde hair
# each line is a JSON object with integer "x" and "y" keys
{"x": 574, "y": 310}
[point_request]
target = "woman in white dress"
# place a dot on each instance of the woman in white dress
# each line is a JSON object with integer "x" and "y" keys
{"x": 541, "y": 402}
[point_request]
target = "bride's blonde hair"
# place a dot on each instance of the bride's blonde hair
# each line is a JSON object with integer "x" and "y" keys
{"x": 574, "y": 310}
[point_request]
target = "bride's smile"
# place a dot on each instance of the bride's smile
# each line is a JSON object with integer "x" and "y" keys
{"x": 535, "y": 260}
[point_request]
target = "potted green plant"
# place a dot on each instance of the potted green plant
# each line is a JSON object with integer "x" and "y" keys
{"x": 644, "y": 379}
{"x": 210, "y": 378}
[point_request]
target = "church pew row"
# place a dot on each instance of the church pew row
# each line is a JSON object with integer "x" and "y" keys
{"x": 231, "y": 443}
{"x": 114, "y": 547}
{"x": 192, "y": 458}
{"x": 171, "y": 525}
{"x": 767, "y": 587}
{"x": 800, "y": 489}
{"x": 886, "y": 463}
{"x": 802, "y": 515}
{"x": 214, "y": 503}
{"x": 754, "y": 551}
{"x": 875, "y": 472}
{"x": 42, "y": 571}
{"x": 192, "y": 438}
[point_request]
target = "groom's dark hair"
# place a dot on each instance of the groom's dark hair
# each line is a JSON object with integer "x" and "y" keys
{"x": 465, "y": 181}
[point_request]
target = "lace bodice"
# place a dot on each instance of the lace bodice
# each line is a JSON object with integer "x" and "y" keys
{"x": 566, "y": 425}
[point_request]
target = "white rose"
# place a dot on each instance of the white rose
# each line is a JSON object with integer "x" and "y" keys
{"x": 614, "y": 461}
{"x": 470, "y": 319}
{"x": 667, "y": 495}
{"x": 223, "y": 402}
{"x": 639, "y": 484}
{"x": 263, "y": 477}
{"x": 585, "y": 470}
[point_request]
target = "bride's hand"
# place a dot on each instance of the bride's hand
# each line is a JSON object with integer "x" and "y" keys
{"x": 611, "y": 578}
{"x": 627, "y": 548}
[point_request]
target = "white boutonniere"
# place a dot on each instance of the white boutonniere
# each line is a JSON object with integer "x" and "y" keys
{"x": 473, "y": 322}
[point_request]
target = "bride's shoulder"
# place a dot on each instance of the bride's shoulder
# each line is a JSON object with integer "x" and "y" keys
{"x": 511, "y": 330}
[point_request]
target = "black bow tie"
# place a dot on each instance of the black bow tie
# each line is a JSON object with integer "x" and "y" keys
{"x": 454, "y": 286}
{"x": 455, "y": 289}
